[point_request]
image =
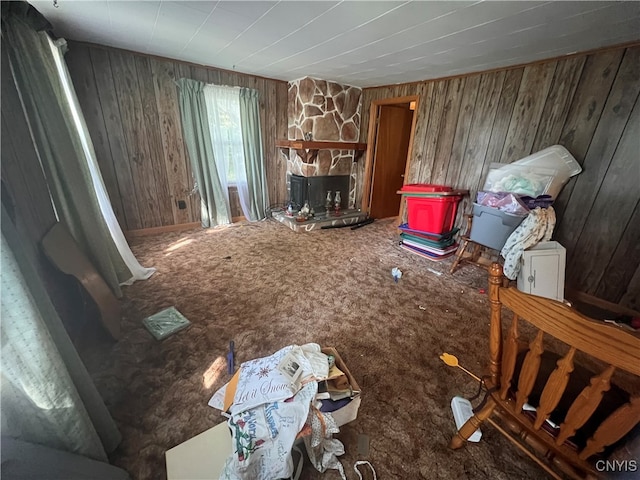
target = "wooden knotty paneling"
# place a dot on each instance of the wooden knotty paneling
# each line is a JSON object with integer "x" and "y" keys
{"x": 133, "y": 125}
{"x": 597, "y": 159}
{"x": 480, "y": 129}
{"x": 584, "y": 114}
{"x": 556, "y": 107}
{"x": 461, "y": 136}
{"x": 85, "y": 87}
{"x": 609, "y": 213}
{"x": 589, "y": 104}
{"x": 534, "y": 88}
{"x": 166, "y": 97}
{"x": 165, "y": 204}
{"x": 506, "y": 104}
{"x": 432, "y": 109}
{"x": 131, "y": 105}
{"x": 448, "y": 123}
{"x": 426, "y": 108}
{"x": 106, "y": 103}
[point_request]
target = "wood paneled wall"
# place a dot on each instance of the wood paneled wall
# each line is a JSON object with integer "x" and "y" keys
{"x": 130, "y": 103}
{"x": 589, "y": 104}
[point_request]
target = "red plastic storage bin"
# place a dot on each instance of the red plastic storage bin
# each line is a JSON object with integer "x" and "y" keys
{"x": 432, "y": 214}
{"x": 424, "y": 188}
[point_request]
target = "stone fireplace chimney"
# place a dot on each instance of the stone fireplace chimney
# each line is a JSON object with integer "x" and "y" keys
{"x": 320, "y": 110}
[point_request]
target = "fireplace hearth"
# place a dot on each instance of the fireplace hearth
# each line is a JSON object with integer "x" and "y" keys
{"x": 318, "y": 223}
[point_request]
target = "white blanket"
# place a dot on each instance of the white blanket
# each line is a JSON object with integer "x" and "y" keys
{"x": 538, "y": 226}
{"x": 268, "y": 412}
{"x": 263, "y": 438}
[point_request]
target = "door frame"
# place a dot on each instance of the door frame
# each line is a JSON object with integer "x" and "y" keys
{"x": 367, "y": 186}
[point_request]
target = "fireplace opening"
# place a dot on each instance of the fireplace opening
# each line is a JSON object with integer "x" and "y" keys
{"x": 314, "y": 190}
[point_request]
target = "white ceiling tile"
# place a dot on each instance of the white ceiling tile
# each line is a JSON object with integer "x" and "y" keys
{"x": 631, "y": 25}
{"x": 408, "y": 16}
{"x": 67, "y": 9}
{"x": 310, "y": 49}
{"x": 364, "y": 43}
{"x": 89, "y": 19}
{"x": 446, "y": 20}
{"x": 283, "y": 19}
{"x": 224, "y": 24}
{"x": 201, "y": 6}
{"x": 134, "y": 15}
{"x": 252, "y": 10}
{"x": 176, "y": 24}
{"x": 333, "y": 21}
{"x": 345, "y": 17}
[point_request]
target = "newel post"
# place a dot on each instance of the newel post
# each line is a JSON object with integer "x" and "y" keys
{"x": 495, "y": 335}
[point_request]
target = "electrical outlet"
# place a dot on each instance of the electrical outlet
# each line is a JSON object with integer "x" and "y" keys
{"x": 182, "y": 204}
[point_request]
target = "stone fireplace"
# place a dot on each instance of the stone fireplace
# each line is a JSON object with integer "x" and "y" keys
{"x": 321, "y": 110}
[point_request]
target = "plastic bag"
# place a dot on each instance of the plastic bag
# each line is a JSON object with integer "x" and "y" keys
{"x": 519, "y": 179}
{"x": 504, "y": 201}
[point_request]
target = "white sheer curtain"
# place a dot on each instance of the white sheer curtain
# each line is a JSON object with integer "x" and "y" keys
{"x": 223, "y": 111}
{"x": 138, "y": 272}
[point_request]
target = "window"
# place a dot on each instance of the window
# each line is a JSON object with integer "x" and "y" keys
{"x": 230, "y": 143}
{"x": 223, "y": 111}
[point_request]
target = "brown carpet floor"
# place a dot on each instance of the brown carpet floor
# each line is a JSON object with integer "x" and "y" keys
{"x": 265, "y": 286}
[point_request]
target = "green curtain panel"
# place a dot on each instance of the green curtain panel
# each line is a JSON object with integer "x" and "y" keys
{"x": 253, "y": 153}
{"x": 195, "y": 127}
{"x": 48, "y": 397}
{"x": 58, "y": 143}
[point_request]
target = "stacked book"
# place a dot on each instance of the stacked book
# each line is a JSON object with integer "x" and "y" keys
{"x": 434, "y": 246}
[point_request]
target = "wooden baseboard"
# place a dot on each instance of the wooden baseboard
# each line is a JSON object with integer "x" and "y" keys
{"x": 156, "y": 230}
{"x": 171, "y": 228}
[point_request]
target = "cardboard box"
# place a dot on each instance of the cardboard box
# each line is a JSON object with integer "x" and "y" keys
{"x": 349, "y": 412}
{"x": 202, "y": 457}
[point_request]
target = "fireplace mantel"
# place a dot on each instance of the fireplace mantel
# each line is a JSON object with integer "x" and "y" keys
{"x": 308, "y": 150}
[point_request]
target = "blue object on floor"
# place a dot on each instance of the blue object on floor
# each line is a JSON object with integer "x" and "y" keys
{"x": 230, "y": 365}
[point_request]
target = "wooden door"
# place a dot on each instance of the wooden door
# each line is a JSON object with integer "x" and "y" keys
{"x": 390, "y": 159}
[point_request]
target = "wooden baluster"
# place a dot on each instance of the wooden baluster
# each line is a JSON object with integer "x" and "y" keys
{"x": 509, "y": 358}
{"x": 585, "y": 404}
{"x": 529, "y": 371}
{"x": 471, "y": 425}
{"x": 617, "y": 425}
{"x": 495, "y": 335}
{"x": 554, "y": 388}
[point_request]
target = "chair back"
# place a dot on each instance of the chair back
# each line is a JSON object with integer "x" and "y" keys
{"x": 617, "y": 349}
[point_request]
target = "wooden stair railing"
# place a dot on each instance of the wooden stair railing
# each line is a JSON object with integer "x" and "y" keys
{"x": 618, "y": 349}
